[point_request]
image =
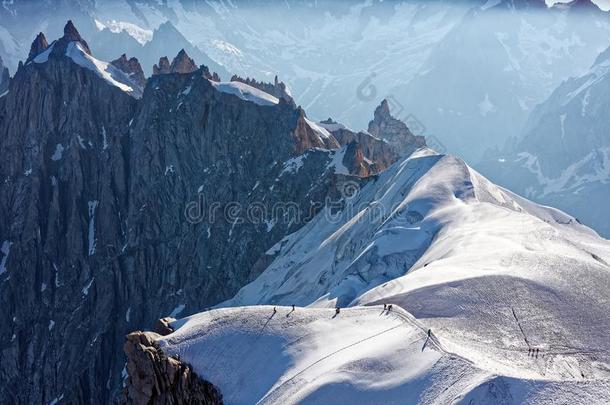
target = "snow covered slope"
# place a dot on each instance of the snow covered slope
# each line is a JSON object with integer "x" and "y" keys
{"x": 105, "y": 70}
{"x": 516, "y": 296}
{"x": 361, "y": 355}
{"x": 245, "y": 92}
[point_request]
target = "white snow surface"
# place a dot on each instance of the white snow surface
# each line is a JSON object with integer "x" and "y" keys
{"x": 92, "y": 206}
{"x": 5, "y": 249}
{"x": 105, "y": 70}
{"x": 332, "y": 126}
{"x": 361, "y": 355}
{"x": 42, "y": 57}
{"x": 138, "y": 33}
{"x": 492, "y": 274}
{"x": 336, "y": 162}
{"x": 58, "y": 153}
{"x": 245, "y": 92}
{"x": 318, "y": 129}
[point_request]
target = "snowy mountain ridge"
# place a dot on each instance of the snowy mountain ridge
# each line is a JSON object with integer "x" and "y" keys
{"x": 514, "y": 294}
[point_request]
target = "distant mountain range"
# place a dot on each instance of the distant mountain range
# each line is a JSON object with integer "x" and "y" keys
{"x": 563, "y": 158}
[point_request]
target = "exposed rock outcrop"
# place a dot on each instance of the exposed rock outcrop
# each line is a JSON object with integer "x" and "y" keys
{"x": 4, "y": 77}
{"x": 38, "y": 46}
{"x": 394, "y": 131}
{"x": 182, "y": 63}
{"x": 162, "y": 67}
{"x": 163, "y": 326}
{"x": 377, "y": 154}
{"x": 71, "y": 34}
{"x": 157, "y": 379}
{"x": 132, "y": 67}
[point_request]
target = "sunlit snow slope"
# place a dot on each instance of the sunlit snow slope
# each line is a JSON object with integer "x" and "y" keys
{"x": 493, "y": 275}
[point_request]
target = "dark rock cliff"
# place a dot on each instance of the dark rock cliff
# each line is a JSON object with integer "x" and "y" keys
{"x": 155, "y": 378}
{"x": 63, "y": 197}
{"x": 115, "y": 211}
{"x": 4, "y": 78}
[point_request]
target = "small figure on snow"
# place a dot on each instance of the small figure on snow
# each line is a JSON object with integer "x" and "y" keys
{"x": 337, "y": 310}
{"x": 390, "y": 307}
{"x": 385, "y": 306}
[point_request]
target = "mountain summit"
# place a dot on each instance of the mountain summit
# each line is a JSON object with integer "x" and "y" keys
{"x": 394, "y": 131}
{"x": 116, "y": 190}
{"x": 39, "y": 45}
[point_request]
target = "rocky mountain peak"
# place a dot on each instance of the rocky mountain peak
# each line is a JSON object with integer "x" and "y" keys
{"x": 383, "y": 110}
{"x": 182, "y": 63}
{"x": 71, "y": 34}
{"x": 132, "y": 67}
{"x": 38, "y": 45}
{"x": 394, "y": 131}
{"x": 162, "y": 67}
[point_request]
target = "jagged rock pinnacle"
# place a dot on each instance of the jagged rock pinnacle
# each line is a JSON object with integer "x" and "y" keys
{"x": 383, "y": 110}
{"x": 71, "y": 34}
{"x": 182, "y": 63}
{"x": 38, "y": 45}
{"x": 394, "y": 131}
{"x": 162, "y": 67}
{"x": 132, "y": 67}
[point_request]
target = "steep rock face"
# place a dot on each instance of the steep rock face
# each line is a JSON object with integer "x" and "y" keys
{"x": 221, "y": 155}
{"x": 4, "y": 77}
{"x": 116, "y": 211}
{"x": 63, "y": 194}
{"x": 38, "y": 45}
{"x": 182, "y": 63}
{"x": 394, "y": 131}
{"x": 132, "y": 67}
{"x": 155, "y": 378}
{"x": 162, "y": 67}
{"x": 378, "y": 153}
{"x": 71, "y": 34}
